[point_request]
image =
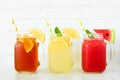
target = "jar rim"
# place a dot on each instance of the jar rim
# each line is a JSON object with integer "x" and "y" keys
{"x": 94, "y": 35}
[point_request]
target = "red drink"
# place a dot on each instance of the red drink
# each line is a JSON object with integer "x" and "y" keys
{"x": 93, "y": 55}
{"x": 25, "y": 61}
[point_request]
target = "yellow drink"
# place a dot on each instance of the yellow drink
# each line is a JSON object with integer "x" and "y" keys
{"x": 59, "y": 53}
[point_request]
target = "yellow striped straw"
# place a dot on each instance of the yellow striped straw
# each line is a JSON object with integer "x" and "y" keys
{"x": 16, "y": 28}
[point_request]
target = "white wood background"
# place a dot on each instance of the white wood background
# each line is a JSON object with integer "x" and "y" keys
{"x": 61, "y": 13}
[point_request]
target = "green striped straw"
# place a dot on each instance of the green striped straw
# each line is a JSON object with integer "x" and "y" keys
{"x": 86, "y": 31}
{"x": 47, "y": 24}
{"x": 81, "y": 25}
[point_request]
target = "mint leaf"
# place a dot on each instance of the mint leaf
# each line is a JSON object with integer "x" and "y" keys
{"x": 87, "y": 31}
{"x": 57, "y": 31}
{"x": 89, "y": 34}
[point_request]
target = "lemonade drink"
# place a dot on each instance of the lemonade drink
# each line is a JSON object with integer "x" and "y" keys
{"x": 93, "y": 55}
{"x": 26, "y": 60}
{"x": 59, "y": 53}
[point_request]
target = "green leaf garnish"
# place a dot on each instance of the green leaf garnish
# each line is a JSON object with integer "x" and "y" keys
{"x": 87, "y": 32}
{"x": 57, "y": 31}
{"x": 90, "y": 35}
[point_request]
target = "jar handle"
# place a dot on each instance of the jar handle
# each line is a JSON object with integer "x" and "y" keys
{"x": 110, "y": 53}
{"x": 43, "y": 55}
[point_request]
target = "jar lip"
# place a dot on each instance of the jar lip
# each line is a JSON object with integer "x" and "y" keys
{"x": 25, "y": 35}
{"x": 94, "y": 35}
{"x": 93, "y": 39}
{"x": 55, "y": 38}
{"x": 52, "y": 37}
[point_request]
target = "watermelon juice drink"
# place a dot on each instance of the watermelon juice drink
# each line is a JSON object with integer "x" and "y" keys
{"x": 94, "y": 54}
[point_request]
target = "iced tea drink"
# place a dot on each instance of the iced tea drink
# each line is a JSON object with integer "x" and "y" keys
{"x": 94, "y": 54}
{"x": 26, "y": 54}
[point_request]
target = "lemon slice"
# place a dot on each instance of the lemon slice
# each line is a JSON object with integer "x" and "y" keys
{"x": 71, "y": 33}
{"x": 57, "y": 42}
{"x": 59, "y": 38}
{"x": 28, "y": 44}
{"x": 37, "y": 34}
{"x": 60, "y": 43}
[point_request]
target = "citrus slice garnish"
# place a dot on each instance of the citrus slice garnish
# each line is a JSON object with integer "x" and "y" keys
{"x": 71, "y": 33}
{"x": 59, "y": 38}
{"x": 28, "y": 44}
{"x": 27, "y": 41}
{"x": 37, "y": 34}
{"x": 59, "y": 43}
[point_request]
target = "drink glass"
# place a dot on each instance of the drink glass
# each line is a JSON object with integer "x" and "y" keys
{"x": 94, "y": 54}
{"x": 26, "y": 61}
{"x": 60, "y": 54}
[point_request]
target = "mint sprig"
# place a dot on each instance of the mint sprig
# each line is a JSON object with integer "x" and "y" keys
{"x": 57, "y": 31}
{"x": 87, "y": 32}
